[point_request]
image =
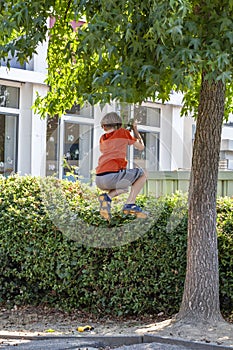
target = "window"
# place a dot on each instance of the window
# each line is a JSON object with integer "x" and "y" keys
{"x": 148, "y": 121}
{"x": 148, "y": 158}
{"x": 9, "y": 96}
{"x": 8, "y": 144}
{"x": 14, "y": 63}
{"x": 86, "y": 111}
{"x": 69, "y": 145}
{"x": 147, "y": 116}
{"x": 77, "y": 151}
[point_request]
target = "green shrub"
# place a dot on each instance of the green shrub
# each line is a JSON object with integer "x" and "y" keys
{"x": 225, "y": 247}
{"x": 56, "y": 249}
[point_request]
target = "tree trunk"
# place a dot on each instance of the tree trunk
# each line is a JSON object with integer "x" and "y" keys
{"x": 201, "y": 291}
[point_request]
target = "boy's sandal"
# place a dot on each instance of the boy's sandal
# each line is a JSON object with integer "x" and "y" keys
{"x": 133, "y": 209}
{"x": 105, "y": 206}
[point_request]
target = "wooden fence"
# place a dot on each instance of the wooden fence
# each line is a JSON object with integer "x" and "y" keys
{"x": 166, "y": 182}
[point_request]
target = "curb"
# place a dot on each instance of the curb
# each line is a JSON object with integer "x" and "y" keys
{"x": 193, "y": 345}
{"x": 98, "y": 341}
{"x": 117, "y": 341}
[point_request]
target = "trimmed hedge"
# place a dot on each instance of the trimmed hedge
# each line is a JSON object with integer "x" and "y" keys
{"x": 56, "y": 249}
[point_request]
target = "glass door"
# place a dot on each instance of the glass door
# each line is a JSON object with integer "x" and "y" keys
{"x": 8, "y": 144}
{"x": 77, "y": 151}
{"x": 148, "y": 158}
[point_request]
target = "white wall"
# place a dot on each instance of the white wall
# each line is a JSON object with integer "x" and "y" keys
{"x": 40, "y": 60}
{"x": 32, "y": 133}
{"x": 165, "y": 138}
{"x": 175, "y": 138}
{"x": 38, "y": 137}
{"x": 25, "y": 125}
{"x": 187, "y": 142}
{"x": 177, "y": 142}
{"x": 32, "y": 130}
{"x": 227, "y": 133}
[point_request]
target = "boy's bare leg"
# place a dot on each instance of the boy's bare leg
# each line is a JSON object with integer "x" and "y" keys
{"x": 135, "y": 189}
{"x": 105, "y": 209}
{"x": 115, "y": 193}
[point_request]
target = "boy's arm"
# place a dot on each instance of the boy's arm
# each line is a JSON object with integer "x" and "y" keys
{"x": 139, "y": 144}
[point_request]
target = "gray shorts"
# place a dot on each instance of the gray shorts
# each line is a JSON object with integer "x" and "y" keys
{"x": 120, "y": 180}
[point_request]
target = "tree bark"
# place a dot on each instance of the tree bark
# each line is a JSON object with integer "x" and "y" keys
{"x": 201, "y": 291}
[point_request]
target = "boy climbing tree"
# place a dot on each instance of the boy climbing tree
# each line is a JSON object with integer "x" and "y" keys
{"x": 112, "y": 174}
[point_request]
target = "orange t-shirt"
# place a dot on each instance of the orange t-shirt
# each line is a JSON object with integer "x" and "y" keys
{"x": 113, "y": 147}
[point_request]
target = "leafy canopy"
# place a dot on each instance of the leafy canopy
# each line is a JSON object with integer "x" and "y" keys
{"x": 129, "y": 51}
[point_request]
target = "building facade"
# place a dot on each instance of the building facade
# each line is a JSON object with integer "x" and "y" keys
{"x": 22, "y": 133}
{"x": 68, "y": 146}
